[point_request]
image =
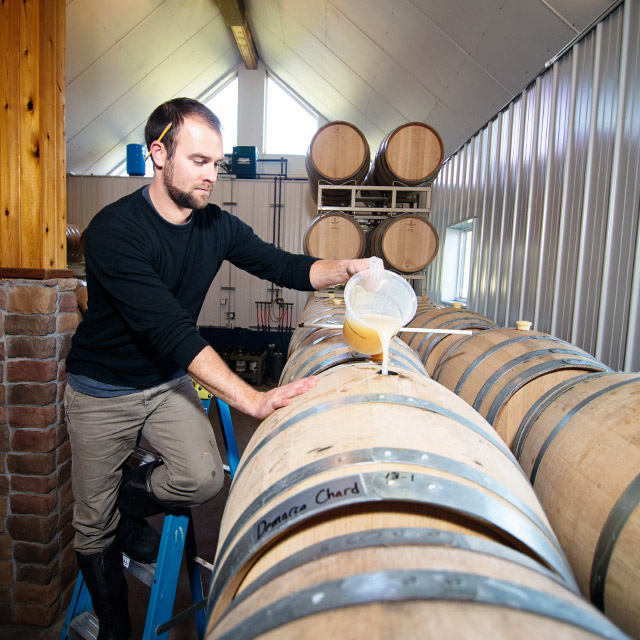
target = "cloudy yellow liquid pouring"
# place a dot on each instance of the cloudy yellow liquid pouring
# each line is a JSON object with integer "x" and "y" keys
{"x": 371, "y": 334}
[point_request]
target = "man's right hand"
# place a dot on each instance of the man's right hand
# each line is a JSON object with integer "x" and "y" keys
{"x": 273, "y": 399}
{"x": 209, "y": 370}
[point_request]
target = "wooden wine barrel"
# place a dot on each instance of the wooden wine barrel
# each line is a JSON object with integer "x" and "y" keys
{"x": 75, "y": 243}
{"x": 502, "y": 373}
{"x": 424, "y": 304}
{"x": 334, "y": 236}
{"x": 410, "y": 155}
{"x": 338, "y": 154}
{"x": 411, "y": 584}
{"x": 313, "y": 350}
{"x": 361, "y": 452}
{"x": 580, "y": 445}
{"x": 327, "y": 348}
{"x": 406, "y": 243}
{"x": 318, "y": 310}
{"x": 431, "y": 346}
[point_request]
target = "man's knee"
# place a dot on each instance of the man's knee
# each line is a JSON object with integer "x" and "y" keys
{"x": 203, "y": 482}
{"x": 209, "y": 484}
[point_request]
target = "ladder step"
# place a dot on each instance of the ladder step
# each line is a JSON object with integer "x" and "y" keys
{"x": 83, "y": 627}
{"x": 144, "y": 572}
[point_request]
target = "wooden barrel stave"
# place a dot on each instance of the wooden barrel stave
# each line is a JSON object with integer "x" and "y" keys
{"x": 409, "y": 619}
{"x": 581, "y": 447}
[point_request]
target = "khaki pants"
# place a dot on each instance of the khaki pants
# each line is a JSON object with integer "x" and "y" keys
{"x": 103, "y": 434}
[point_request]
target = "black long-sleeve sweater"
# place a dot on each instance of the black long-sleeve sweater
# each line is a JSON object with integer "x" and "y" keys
{"x": 147, "y": 280}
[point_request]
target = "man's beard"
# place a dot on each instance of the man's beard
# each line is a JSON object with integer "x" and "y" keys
{"x": 185, "y": 199}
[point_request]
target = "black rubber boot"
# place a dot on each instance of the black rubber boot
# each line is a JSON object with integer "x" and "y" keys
{"x": 138, "y": 539}
{"x": 105, "y": 580}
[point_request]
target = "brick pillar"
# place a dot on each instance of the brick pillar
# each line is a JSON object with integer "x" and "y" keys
{"x": 37, "y": 563}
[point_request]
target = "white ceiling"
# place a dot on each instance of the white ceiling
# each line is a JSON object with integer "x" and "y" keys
{"x": 375, "y": 63}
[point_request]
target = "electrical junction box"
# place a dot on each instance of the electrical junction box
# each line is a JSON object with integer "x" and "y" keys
{"x": 244, "y": 162}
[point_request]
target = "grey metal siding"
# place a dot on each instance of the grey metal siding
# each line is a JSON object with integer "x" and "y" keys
{"x": 554, "y": 186}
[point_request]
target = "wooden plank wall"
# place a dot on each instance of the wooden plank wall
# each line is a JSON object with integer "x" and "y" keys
{"x": 32, "y": 135}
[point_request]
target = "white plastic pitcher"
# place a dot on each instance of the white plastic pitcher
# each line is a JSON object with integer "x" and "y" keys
{"x": 373, "y": 314}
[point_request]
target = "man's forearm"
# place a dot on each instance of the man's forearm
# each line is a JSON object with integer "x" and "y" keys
{"x": 326, "y": 273}
{"x": 210, "y": 370}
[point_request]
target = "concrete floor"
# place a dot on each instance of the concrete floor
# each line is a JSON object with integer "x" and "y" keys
{"x": 206, "y": 519}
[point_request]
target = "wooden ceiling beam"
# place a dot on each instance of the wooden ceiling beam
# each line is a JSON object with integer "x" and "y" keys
{"x": 235, "y": 18}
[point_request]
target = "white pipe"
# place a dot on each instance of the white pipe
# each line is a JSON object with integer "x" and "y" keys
{"x": 462, "y": 332}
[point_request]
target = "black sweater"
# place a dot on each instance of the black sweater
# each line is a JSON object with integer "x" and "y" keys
{"x": 147, "y": 280}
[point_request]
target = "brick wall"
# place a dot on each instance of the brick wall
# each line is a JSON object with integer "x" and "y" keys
{"x": 37, "y": 563}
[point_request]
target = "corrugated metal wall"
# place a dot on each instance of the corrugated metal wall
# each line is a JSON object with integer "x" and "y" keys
{"x": 553, "y": 183}
{"x": 253, "y": 202}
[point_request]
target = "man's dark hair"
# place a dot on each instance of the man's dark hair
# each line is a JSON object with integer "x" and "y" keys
{"x": 174, "y": 112}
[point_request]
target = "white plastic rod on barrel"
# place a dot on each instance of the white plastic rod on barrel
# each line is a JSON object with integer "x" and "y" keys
{"x": 461, "y": 332}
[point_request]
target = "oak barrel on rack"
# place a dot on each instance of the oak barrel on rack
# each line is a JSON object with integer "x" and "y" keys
{"x": 336, "y": 522}
{"x": 338, "y": 154}
{"x": 431, "y": 346}
{"x": 406, "y": 243}
{"x": 409, "y": 156}
{"x": 334, "y": 236}
{"x": 580, "y": 446}
{"x": 502, "y": 373}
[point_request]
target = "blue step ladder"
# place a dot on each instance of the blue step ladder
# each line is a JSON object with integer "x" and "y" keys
{"x": 162, "y": 576}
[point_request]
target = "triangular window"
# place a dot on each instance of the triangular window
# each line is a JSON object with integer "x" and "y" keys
{"x": 289, "y": 125}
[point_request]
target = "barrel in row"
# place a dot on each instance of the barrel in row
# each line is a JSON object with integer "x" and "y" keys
{"x": 502, "y": 373}
{"x": 385, "y": 506}
{"x": 406, "y": 244}
{"x": 572, "y": 424}
{"x": 431, "y": 346}
{"x": 317, "y": 311}
{"x": 580, "y": 447}
{"x": 314, "y": 350}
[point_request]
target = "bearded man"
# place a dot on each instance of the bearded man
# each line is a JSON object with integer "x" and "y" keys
{"x": 151, "y": 257}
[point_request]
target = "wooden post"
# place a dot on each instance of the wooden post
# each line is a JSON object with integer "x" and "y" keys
{"x": 32, "y": 139}
{"x": 37, "y": 317}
